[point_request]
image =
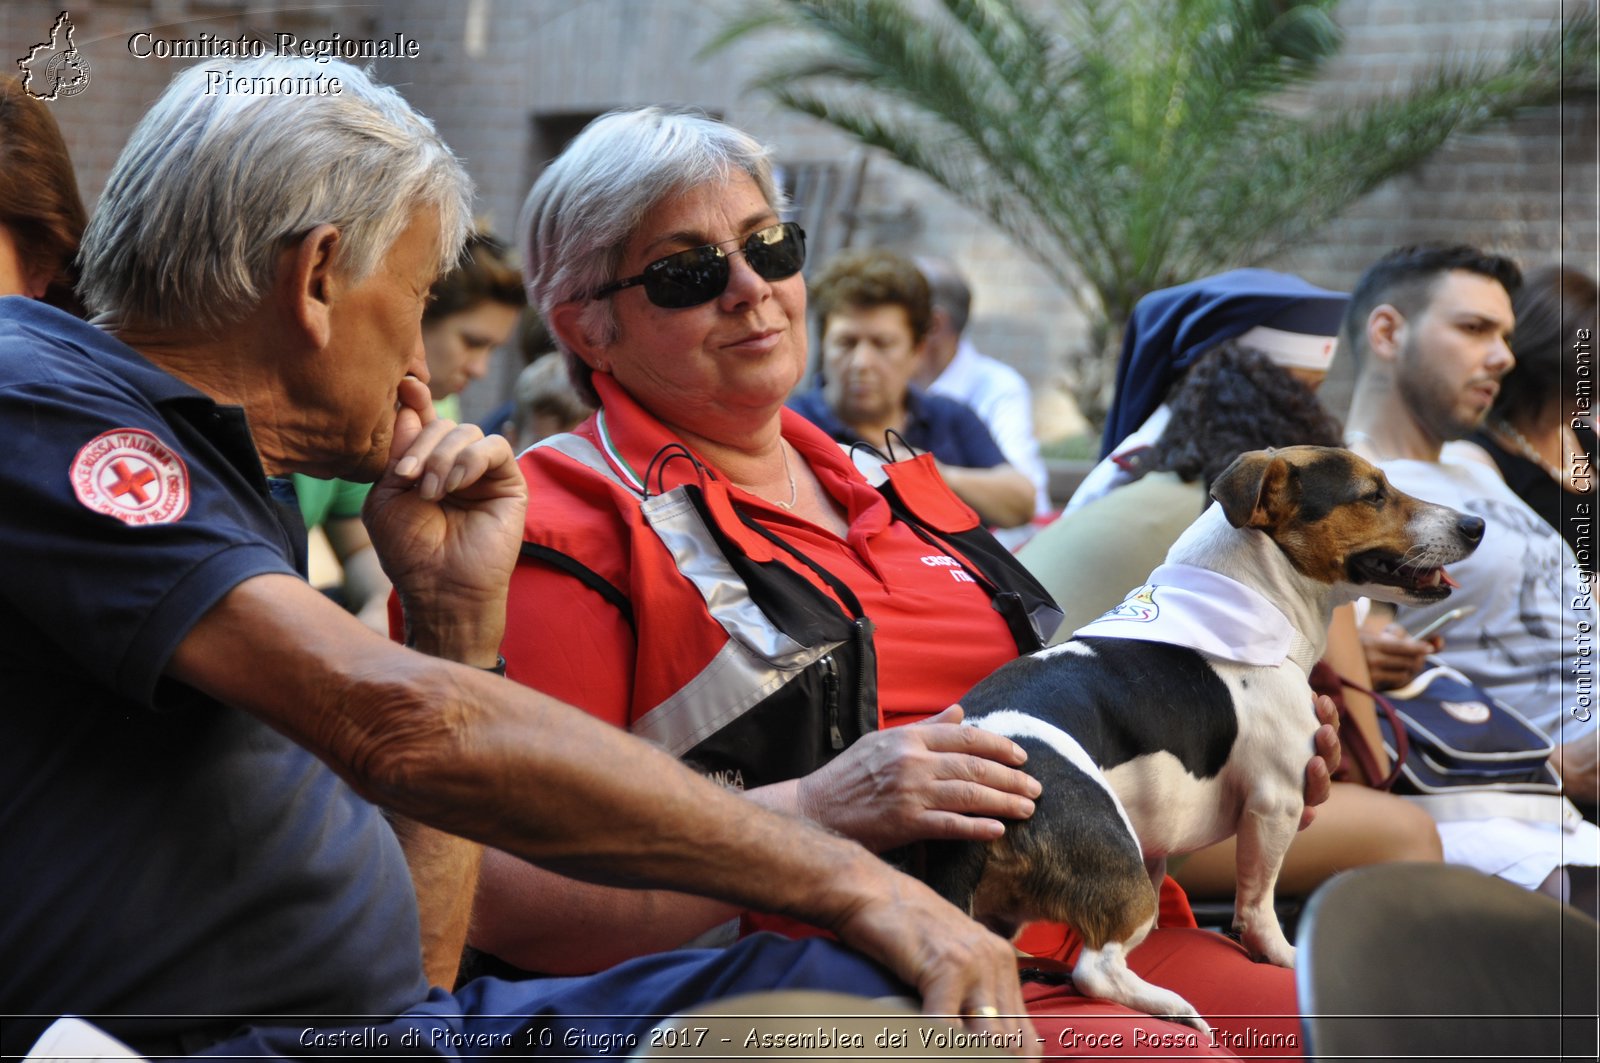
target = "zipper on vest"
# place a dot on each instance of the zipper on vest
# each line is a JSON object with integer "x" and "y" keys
{"x": 866, "y": 714}
{"x": 830, "y": 685}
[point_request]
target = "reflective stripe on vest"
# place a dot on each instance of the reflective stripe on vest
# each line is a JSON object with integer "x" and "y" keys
{"x": 757, "y": 660}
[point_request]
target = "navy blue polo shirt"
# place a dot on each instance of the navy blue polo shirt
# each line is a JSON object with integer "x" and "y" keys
{"x": 164, "y": 854}
{"x": 947, "y": 428}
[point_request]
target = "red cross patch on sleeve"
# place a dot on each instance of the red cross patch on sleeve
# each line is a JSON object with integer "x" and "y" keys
{"x": 129, "y": 474}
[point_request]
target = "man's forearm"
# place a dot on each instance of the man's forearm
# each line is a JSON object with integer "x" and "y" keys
{"x": 550, "y": 784}
{"x": 478, "y": 756}
{"x": 444, "y": 868}
{"x": 444, "y": 873}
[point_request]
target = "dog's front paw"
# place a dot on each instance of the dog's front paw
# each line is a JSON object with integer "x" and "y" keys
{"x": 1192, "y": 1018}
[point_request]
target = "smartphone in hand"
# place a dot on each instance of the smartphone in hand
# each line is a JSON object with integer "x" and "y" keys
{"x": 1441, "y": 620}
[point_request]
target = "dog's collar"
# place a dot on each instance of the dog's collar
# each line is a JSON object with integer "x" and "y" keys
{"x": 1186, "y": 605}
{"x": 1302, "y": 652}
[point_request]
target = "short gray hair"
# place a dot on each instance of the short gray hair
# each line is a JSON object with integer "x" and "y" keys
{"x": 950, "y": 291}
{"x": 213, "y": 184}
{"x": 588, "y": 203}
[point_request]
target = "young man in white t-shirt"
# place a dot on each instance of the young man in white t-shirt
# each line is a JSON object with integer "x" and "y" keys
{"x": 1431, "y": 328}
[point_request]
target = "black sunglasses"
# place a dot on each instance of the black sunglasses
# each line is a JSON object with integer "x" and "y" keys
{"x": 699, "y": 275}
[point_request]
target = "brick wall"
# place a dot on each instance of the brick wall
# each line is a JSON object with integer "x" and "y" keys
{"x": 1524, "y": 187}
{"x": 489, "y": 68}
{"x": 122, "y": 86}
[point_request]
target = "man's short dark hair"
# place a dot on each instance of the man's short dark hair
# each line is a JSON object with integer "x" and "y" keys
{"x": 1405, "y": 278}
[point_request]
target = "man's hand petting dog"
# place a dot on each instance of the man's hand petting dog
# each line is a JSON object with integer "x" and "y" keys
{"x": 933, "y": 779}
{"x": 1319, "y": 773}
{"x": 938, "y": 779}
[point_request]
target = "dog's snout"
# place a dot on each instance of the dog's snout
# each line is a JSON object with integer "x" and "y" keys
{"x": 1471, "y": 529}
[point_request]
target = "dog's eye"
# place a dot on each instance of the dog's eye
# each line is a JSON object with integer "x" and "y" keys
{"x": 1375, "y": 495}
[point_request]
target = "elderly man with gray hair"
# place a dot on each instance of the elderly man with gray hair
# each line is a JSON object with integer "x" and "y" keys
{"x": 200, "y": 744}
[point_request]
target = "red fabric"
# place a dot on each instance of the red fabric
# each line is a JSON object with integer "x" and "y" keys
{"x": 566, "y": 640}
{"x": 1174, "y": 911}
{"x": 920, "y": 477}
{"x": 1045, "y": 941}
{"x": 1250, "y": 1006}
{"x": 1058, "y": 942}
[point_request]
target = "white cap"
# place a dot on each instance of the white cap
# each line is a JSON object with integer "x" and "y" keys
{"x": 1292, "y": 350}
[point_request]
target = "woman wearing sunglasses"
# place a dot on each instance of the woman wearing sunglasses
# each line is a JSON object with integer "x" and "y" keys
{"x": 708, "y": 569}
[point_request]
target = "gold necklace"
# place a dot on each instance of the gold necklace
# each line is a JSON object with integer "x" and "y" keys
{"x": 1508, "y": 433}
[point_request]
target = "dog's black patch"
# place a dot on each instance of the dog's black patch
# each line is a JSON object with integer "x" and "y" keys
{"x": 1322, "y": 486}
{"x": 1072, "y": 861}
{"x": 1131, "y": 698}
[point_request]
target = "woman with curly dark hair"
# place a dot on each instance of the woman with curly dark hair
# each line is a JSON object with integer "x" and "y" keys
{"x": 1236, "y": 399}
{"x": 1233, "y": 399}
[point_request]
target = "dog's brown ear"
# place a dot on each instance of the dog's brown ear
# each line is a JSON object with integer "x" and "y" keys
{"x": 1245, "y": 486}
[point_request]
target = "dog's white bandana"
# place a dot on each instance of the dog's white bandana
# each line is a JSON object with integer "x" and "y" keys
{"x": 1204, "y": 610}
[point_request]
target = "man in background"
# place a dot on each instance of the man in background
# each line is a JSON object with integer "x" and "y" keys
{"x": 951, "y": 366}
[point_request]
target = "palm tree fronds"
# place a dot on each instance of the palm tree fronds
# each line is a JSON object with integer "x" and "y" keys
{"x": 1127, "y": 146}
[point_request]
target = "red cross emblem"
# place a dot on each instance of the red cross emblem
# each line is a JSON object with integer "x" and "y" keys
{"x": 127, "y": 482}
{"x": 131, "y": 475}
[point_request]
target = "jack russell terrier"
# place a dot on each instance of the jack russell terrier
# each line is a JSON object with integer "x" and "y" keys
{"x": 1184, "y": 715}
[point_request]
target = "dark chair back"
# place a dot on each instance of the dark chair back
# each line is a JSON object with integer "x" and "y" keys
{"x": 1410, "y": 960}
